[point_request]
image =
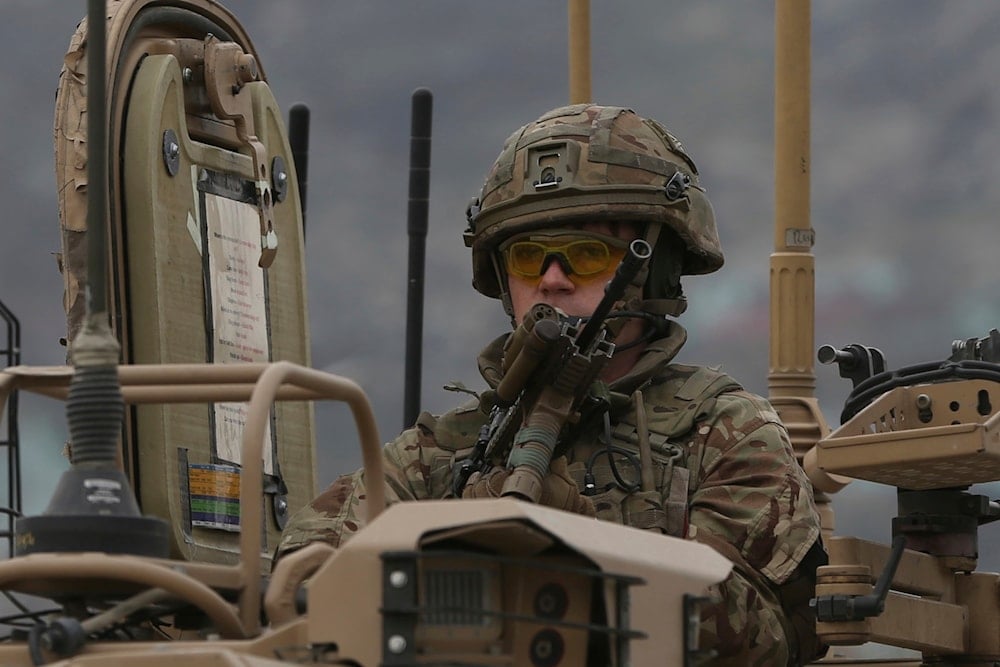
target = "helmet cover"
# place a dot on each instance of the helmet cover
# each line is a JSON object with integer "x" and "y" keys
{"x": 587, "y": 163}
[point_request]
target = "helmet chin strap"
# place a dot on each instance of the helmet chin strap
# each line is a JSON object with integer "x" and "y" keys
{"x": 650, "y": 235}
{"x": 501, "y": 274}
{"x": 664, "y": 307}
{"x": 615, "y": 324}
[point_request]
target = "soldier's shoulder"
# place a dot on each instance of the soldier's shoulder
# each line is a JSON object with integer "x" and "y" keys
{"x": 714, "y": 399}
{"x": 747, "y": 406}
{"x": 744, "y": 425}
{"x": 681, "y": 396}
{"x": 689, "y": 382}
{"x": 456, "y": 429}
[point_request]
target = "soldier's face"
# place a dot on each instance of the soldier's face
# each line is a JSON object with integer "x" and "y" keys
{"x": 556, "y": 288}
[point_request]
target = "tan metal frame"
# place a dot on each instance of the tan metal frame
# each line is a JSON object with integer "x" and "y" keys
{"x": 261, "y": 384}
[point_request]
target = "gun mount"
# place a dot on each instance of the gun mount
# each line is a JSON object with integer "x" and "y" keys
{"x": 856, "y": 363}
{"x": 931, "y": 431}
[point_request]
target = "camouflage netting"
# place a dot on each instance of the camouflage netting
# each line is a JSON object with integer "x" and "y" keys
{"x": 70, "y": 136}
{"x": 70, "y": 125}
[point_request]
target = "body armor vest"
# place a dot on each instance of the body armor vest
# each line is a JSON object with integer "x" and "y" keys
{"x": 674, "y": 401}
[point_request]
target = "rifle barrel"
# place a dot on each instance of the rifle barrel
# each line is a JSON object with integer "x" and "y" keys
{"x": 635, "y": 258}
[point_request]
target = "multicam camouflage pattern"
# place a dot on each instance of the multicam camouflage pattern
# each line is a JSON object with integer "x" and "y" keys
{"x": 585, "y": 163}
{"x": 724, "y": 472}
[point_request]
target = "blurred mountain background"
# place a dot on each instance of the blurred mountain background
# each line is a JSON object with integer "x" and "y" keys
{"x": 904, "y": 164}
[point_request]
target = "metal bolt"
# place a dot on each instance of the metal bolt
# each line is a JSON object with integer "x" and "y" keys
{"x": 923, "y": 401}
{"x": 246, "y": 68}
{"x": 279, "y": 176}
{"x": 187, "y": 74}
{"x": 396, "y": 644}
{"x": 398, "y": 579}
{"x": 171, "y": 152}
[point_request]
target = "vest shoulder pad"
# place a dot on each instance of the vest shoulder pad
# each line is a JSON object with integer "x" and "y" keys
{"x": 456, "y": 429}
{"x": 682, "y": 395}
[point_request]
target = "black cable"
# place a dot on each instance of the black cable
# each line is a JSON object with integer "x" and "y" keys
{"x": 656, "y": 326}
{"x": 652, "y": 330}
{"x": 610, "y": 450}
{"x": 34, "y": 644}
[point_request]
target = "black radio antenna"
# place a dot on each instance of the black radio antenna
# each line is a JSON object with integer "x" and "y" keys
{"x": 416, "y": 227}
{"x": 77, "y": 518}
{"x": 298, "y": 141}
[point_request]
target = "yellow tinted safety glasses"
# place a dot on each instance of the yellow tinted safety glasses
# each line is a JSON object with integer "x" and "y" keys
{"x": 583, "y": 258}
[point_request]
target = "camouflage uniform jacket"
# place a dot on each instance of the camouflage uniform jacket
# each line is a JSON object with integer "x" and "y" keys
{"x": 725, "y": 475}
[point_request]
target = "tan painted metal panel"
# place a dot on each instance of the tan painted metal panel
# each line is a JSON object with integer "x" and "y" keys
{"x": 167, "y": 305}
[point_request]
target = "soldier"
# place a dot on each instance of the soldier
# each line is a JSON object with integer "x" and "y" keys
{"x": 553, "y": 219}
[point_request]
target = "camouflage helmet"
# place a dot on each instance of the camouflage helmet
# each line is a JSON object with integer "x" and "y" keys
{"x": 585, "y": 163}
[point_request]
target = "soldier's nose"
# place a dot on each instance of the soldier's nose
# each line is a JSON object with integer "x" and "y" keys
{"x": 555, "y": 278}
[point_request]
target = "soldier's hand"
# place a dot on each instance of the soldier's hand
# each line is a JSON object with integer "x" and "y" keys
{"x": 558, "y": 488}
{"x": 486, "y": 485}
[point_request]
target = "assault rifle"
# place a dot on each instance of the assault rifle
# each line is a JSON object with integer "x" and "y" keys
{"x": 550, "y": 364}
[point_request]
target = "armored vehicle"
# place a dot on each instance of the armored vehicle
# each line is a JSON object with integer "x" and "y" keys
{"x": 192, "y": 437}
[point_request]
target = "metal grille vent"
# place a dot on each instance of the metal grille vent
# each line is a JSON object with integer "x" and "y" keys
{"x": 455, "y": 597}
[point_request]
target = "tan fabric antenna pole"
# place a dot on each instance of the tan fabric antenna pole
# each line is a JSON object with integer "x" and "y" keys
{"x": 579, "y": 51}
{"x": 792, "y": 268}
{"x": 792, "y": 377}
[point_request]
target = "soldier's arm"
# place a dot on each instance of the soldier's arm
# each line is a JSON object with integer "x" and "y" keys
{"x": 753, "y": 504}
{"x": 340, "y": 510}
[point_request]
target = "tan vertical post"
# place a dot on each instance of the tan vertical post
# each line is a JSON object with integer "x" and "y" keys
{"x": 792, "y": 377}
{"x": 792, "y": 267}
{"x": 579, "y": 51}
